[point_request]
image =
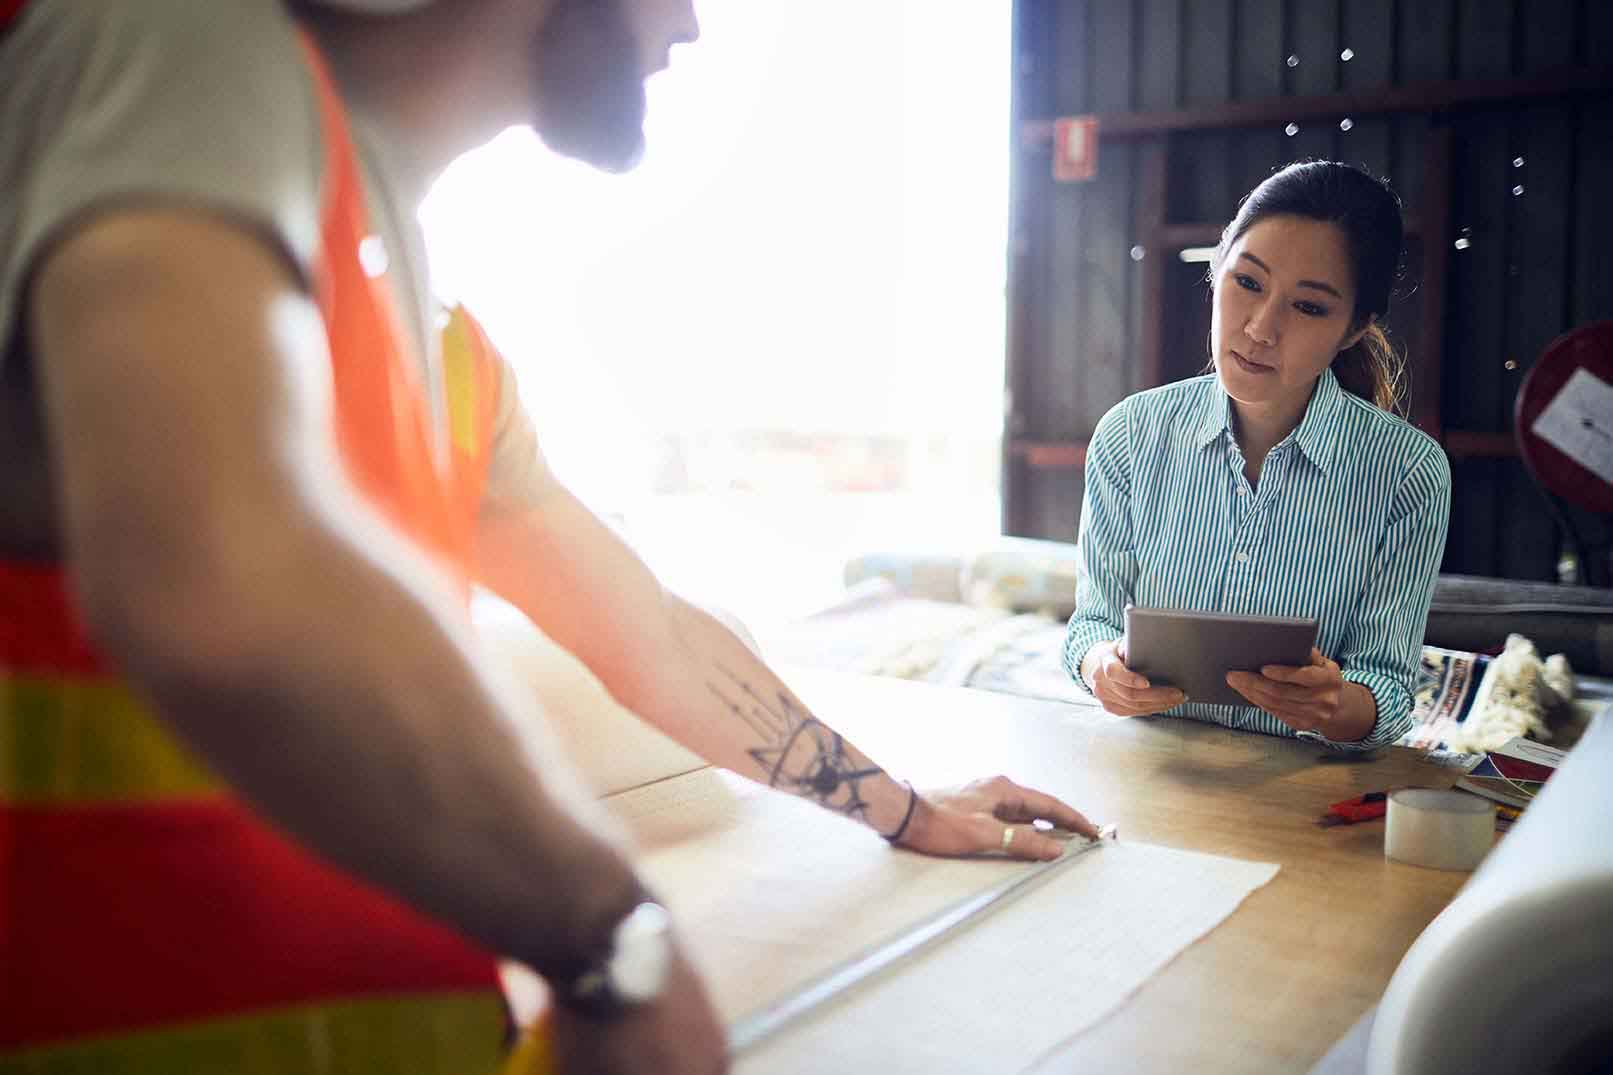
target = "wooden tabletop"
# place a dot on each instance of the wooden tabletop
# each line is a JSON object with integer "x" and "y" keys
{"x": 1276, "y": 984}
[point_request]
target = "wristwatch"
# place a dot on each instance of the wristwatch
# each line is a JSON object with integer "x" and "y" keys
{"x": 634, "y": 970}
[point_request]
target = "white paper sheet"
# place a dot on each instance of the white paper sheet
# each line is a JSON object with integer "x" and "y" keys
{"x": 770, "y": 891}
{"x": 1579, "y": 423}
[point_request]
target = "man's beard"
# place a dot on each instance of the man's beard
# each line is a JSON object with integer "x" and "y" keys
{"x": 589, "y": 92}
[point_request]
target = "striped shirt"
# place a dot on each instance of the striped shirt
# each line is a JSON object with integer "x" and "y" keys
{"x": 1346, "y": 524}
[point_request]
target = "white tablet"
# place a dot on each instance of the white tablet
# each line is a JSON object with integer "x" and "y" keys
{"x": 1194, "y": 651}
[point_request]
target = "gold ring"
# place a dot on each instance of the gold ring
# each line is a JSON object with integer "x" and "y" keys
{"x": 1008, "y": 836}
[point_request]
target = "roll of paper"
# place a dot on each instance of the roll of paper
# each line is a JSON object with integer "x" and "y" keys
{"x": 1446, "y": 830}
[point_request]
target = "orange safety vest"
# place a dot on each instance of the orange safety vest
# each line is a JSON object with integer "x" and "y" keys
{"x": 150, "y": 922}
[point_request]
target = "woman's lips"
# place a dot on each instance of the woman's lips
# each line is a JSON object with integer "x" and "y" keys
{"x": 1252, "y": 367}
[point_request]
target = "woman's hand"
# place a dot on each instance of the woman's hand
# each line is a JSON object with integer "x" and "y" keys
{"x": 1308, "y": 699}
{"x": 991, "y": 815}
{"x": 1122, "y": 691}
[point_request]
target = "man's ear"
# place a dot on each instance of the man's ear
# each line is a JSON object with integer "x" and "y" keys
{"x": 1353, "y": 338}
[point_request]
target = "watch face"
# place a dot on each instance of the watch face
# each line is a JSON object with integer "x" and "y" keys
{"x": 643, "y": 954}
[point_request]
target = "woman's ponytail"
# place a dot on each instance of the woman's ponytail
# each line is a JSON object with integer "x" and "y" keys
{"x": 1372, "y": 369}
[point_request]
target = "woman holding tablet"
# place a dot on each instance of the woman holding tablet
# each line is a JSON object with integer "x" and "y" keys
{"x": 1282, "y": 484}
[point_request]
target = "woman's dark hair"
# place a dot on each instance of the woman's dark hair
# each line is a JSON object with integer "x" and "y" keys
{"x": 1368, "y": 212}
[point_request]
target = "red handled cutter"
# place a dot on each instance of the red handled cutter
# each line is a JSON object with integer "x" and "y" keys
{"x": 1372, "y": 805}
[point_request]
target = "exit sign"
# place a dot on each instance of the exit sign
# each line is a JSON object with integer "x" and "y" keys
{"x": 1075, "y": 148}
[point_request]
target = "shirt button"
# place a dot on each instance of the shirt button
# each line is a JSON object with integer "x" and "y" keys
{"x": 1242, "y": 491}
{"x": 1242, "y": 558}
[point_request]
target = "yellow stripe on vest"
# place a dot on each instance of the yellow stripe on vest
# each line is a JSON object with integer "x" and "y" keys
{"x": 459, "y": 376}
{"x": 64, "y": 742}
{"x": 418, "y": 1034}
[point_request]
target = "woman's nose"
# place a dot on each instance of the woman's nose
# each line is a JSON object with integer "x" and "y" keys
{"x": 1262, "y": 325}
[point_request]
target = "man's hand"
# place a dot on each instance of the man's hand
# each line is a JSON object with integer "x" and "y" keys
{"x": 971, "y": 819}
{"x": 1314, "y": 698}
{"x": 677, "y": 1034}
{"x": 1122, "y": 691}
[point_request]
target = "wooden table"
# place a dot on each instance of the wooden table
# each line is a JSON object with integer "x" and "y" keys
{"x": 1276, "y": 984}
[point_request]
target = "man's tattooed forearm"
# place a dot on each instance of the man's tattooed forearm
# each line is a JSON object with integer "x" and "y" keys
{"x": 760, "y": 721}
{"x": 802, "y": 755}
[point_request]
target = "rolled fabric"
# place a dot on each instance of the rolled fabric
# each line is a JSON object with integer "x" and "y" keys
{"x": 1517, "y": 973}
{"x": 1447, "y": 830}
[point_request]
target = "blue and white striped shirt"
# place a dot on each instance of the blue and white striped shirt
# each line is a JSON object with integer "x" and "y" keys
{"x": 1346, "y": 524}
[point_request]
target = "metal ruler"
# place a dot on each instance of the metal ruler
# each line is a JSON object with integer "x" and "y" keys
{"x": 748, "y": 1032}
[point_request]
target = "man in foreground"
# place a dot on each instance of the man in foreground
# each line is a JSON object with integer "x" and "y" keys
{"x": 247, "y": 489}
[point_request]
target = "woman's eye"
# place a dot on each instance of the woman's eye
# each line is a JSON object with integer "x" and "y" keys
{"x": 1311, "y": 309}
{"x": 1245, "y": 281}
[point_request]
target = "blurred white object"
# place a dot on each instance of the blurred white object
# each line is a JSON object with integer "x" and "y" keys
{"x": 1008, "y": 573}
{"x": 1023, "y": 575}
{"x": 1517, "y": 973}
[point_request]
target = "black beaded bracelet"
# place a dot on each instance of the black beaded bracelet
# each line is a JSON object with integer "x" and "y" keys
{"x": 912, "y": 801}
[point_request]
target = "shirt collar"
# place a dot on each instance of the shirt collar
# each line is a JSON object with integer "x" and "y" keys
{"x": 1215, "y": 417}
{"x": 1316, "y": 436}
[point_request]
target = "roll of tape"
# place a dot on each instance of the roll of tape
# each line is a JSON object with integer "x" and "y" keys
{"x": 1447, "y": 830}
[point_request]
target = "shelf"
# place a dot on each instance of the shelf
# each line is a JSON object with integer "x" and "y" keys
{"x": 1459, "y": 444}
{"x": 1434, "y": 96}
{"x": 1181, "y": 236}
{"x": 1050, "y": 453}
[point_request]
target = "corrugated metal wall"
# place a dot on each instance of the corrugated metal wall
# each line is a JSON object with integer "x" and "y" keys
{"x": 1085, "y": 260}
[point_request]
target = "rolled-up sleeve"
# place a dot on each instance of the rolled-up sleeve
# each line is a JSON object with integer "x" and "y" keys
{"x": 518, "y": 475}
{"x": 1106, "y": 557}
{"x": 1383, "y": 648}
